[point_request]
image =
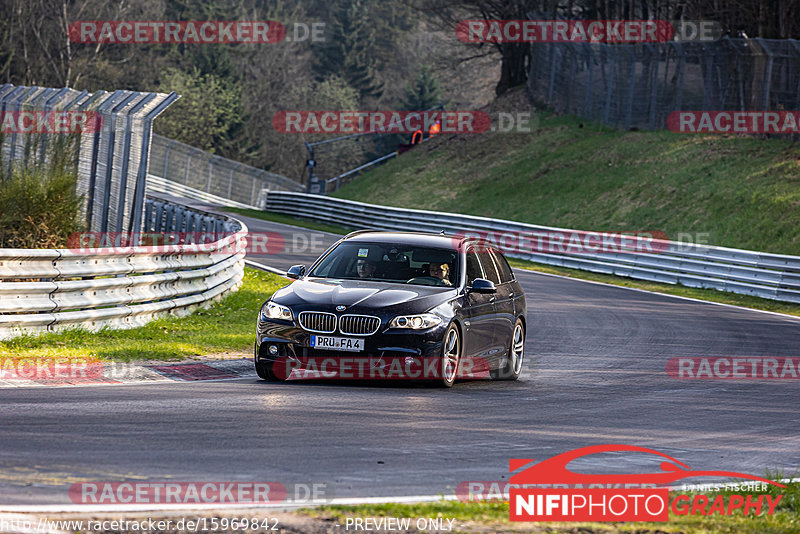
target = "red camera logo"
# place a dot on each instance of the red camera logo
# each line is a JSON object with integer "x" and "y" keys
{"x": 549, "y": 491}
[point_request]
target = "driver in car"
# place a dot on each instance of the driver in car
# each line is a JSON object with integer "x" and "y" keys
{"x": 441, "y": 271}
{"x": 365, "y": 268}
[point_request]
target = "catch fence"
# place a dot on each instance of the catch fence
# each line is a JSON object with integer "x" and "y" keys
{"x": 638, "y": 85}
{"x": 190, "y": 172}
{"x": 110, "y": 151}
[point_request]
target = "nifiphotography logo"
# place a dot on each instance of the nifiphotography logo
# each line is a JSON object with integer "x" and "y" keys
{"x": 571, "y": 496}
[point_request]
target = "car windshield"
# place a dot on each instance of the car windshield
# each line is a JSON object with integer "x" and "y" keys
{"x": 387, "y": 262}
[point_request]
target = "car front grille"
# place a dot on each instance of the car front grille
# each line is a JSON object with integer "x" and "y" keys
{"x": 359, "y": 325}
{"x": 349, "y": 325}
{"x": 320, "y": 322}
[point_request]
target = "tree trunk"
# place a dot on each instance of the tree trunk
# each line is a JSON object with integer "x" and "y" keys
{"x": 514, "y": 70}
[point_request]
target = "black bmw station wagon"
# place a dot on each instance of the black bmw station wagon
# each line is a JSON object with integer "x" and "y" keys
{"x": 396, "y": 305}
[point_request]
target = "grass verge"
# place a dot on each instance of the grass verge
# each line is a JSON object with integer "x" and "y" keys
{"x": 492, "y": 516}
{"x": 226, "y": 327}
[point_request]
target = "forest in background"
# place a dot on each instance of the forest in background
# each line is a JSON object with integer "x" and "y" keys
{"x": 377, "y": 54}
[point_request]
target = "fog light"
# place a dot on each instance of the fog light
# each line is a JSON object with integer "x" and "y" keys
{"x": 273, "y": 349}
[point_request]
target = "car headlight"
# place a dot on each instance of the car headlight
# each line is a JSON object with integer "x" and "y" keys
{"x": 270, "y": 310}
{"x": 416, "y": 322}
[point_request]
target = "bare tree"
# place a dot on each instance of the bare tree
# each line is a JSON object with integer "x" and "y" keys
{"x": 515, "y": 56}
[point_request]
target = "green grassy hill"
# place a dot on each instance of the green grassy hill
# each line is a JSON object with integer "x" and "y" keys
{"x": 742, "y": 191}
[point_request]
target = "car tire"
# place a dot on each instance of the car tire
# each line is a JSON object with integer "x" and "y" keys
{"x": 515, "y": 356}
{"x": 264, "y": 372}
{"x": 451, "y": 356}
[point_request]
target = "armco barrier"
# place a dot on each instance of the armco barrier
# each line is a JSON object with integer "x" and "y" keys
{"x": 772, "y": 276}
{"x": 44, "y": 290}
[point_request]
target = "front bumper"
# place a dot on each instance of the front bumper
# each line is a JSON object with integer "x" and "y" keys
{"x": 294, "y": 342}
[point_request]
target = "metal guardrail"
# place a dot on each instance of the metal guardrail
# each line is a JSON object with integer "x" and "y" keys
{"x": 44, "y": 290}
{"x": 178, "y": 164}
{"x": 771, "y": 276}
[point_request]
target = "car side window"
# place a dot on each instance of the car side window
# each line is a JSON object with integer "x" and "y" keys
{"x": 502, "y": 265}
{"x": 488, "y": 266}
{"x": 473, "y": 267}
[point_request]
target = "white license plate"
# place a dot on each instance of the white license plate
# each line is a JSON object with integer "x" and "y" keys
{"x": 337, "y": 343}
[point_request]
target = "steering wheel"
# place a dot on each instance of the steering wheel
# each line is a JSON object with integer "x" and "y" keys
{"x": 428, "y": 281}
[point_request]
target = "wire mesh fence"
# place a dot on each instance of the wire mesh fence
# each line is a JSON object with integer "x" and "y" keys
{"x": 111, "y": 136}
{"x": 193, "y": 168}
{"x": 333, "y": 162}
{"x": 337, "y": 160}
{"x": 639, "y": 85}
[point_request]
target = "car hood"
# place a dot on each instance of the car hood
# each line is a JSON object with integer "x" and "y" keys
{"x": 323, "y": 293}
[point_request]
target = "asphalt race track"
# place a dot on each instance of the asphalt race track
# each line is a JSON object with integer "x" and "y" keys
{"x": 594, "y": 374}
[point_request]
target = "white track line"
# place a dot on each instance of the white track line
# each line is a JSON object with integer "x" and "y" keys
{"x": 263, "y": 267}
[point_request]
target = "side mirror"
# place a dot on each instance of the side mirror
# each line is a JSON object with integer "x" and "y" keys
{"x": 482, "y": 285}
{"x": 296, "y": 271}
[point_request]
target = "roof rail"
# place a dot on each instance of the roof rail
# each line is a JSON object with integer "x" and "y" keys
{"x": 351, "y": 234}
